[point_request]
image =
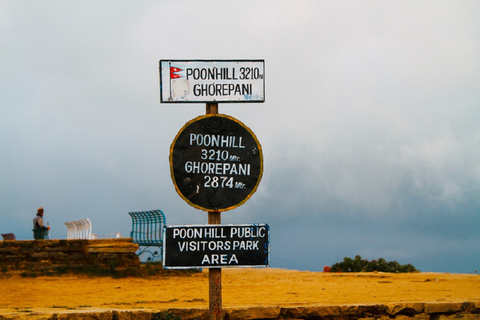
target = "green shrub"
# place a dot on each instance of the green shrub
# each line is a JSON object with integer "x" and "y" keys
{"x": 360, "y": 265}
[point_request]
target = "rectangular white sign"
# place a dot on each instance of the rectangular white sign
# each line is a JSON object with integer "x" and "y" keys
{"x": 212, "y": 81}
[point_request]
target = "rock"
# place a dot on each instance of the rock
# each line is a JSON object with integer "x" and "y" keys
{"x": 311, "y": 311}
{"x": 252, "y": 313}
{"x": 101, "y": 315}
{"x": 443, "y": 307}
{"x": 408, "y": 309}
{"x": 132, "y": 315}
{"x": 190, "y": 314}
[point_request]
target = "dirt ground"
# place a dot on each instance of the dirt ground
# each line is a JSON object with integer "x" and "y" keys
{"x": 240, "y": 288}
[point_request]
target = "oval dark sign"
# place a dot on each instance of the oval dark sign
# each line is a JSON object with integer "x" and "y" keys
{"x": 216, "y": 162}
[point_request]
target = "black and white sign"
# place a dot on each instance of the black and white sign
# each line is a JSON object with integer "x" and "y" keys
{"x": 212, "y": 81}
{"x": 213, "y": 246}
{"x": 216, "y": 163}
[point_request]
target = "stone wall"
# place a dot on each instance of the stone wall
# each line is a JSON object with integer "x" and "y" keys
{"x": 44, "y": 255}
{"x": 403, "y": 311}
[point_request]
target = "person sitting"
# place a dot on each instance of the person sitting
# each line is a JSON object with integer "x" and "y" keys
{"x": 40, "y": 231}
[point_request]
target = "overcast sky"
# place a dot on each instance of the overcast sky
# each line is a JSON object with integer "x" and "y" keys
{"x": 370, "y": 127}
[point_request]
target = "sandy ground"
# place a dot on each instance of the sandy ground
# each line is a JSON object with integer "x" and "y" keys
{"x": 240, "y": 287}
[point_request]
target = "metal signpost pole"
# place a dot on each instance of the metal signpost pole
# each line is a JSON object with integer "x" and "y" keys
{"x": 214, "y": 274}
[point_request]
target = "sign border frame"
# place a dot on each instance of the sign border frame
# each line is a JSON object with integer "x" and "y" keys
{"x": 206, "y": 60}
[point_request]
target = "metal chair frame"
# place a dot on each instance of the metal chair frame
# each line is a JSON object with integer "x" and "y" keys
{"x": 8, "y": 236}
{"x": 79, "y": 229}
{"x": 147, "y": 231}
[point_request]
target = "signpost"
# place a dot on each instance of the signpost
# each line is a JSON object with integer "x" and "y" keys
{"x": 216, "y": 164}
{"x": 213, "y": 246}
{"x": 212, "y": 81}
